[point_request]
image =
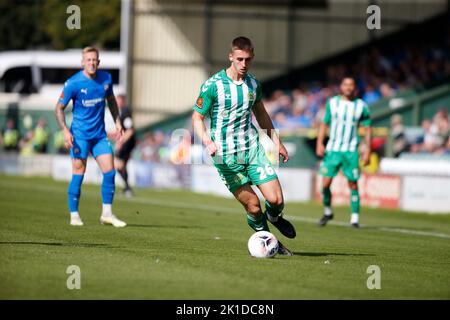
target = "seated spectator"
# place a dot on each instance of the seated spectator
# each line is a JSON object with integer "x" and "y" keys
{"x": 371, "y": 95}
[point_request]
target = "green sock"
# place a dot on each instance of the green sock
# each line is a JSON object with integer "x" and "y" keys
{"x": 326, "y": 196}
{"x": 273, "y": 210}
{"x": 354, "y": 201}
{"x": 258, "y": 223}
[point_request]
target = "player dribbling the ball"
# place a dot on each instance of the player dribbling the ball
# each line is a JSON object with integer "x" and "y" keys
{"x": 230, "y": 97}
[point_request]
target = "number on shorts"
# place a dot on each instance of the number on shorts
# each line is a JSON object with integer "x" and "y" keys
{"x": 263, "y": 172}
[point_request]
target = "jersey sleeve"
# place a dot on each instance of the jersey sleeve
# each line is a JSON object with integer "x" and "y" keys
{"x": 67, "y": 93}
{"x": 258, "y": 92}
{"x": 109, "y": 90}
{"x": 365, "y": 116}
{"x": 327, "y": 116}
{"x": 205, "y": 99}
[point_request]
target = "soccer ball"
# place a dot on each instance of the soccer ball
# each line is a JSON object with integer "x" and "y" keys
{"x": 262, "y": 244}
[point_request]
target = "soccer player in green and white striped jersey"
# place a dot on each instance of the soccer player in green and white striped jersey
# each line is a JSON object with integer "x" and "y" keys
{"x": 343, "y": 115}
{"x": 229, "y": 98}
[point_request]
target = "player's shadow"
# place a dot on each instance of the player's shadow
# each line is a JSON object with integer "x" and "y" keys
{"x": 162, "y": 226}
{"x": 324, "y": 254}
{"x": 59, "y": 244}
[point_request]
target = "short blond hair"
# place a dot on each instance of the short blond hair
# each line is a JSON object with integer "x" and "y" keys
{"x": 91, "y": 49}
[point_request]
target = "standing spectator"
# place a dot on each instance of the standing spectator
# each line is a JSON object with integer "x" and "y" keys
{"x": 40, "y": 136}
{"x": 400, "y": 143}
{"x": 125, "y": 146}
{"x": 11, "y": 136}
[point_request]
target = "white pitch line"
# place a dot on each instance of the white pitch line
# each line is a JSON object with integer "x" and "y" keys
{"x": 185, "y": 205}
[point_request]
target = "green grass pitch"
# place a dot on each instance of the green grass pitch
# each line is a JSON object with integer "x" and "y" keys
{"x": 181, "y": 245}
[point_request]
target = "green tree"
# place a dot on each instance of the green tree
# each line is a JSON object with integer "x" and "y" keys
{"x": 28, "y": 24}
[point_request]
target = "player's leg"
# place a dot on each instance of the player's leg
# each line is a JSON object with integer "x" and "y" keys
{"x": 351, "y": 171}
{"x": 120, "y": 163}
{"x": 326, "y": 201}
{"x": 274, "y": 203}
{"x": 78, "y": 153}
{"x": 102, "y": 153}
{"x": 328, "y": 169}
{"x": 255, "y": 218}
{"x": 250, "y": 201}
{"x": 263, "y": 175}
{"x": 354, "y": 203}
{"x": 74, "y": 190}
{"x": 237, "y": 181}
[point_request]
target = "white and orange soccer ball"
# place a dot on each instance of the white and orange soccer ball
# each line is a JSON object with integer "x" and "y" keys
{"x": 262, "y": 244}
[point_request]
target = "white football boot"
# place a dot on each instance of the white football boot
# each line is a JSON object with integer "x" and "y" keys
{"x": 76, "y": 221}
{"x": 113, "y": 220}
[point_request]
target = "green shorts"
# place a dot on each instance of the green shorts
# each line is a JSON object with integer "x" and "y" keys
{"x": 333, "y": 161}
{"x": 254, "y": 168}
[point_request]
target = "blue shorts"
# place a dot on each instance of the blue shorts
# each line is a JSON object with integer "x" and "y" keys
{"x": 82, "y": 148}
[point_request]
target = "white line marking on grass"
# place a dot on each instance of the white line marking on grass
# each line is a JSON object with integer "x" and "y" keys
{"x": 205, "y": 207}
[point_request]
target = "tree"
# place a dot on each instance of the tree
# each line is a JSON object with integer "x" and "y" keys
{"x": 30, "y": 24}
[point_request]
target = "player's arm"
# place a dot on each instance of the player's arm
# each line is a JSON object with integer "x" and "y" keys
{"x": 201, "y": 108}
{"x": 320, "y": 147}
{"x": 114, "y": 109}
{"x": 198, "y": 123}
{"x": 63, "y": 100}
{"x": 323, "y": 128}
{"x": 366, "y": 122}
{"x": 265, "y": 123}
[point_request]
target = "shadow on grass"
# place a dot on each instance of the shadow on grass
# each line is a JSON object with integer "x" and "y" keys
{"x": 324, "y": 254}
{"x": 162, "y": 226}
{"x": 59, "y": 244}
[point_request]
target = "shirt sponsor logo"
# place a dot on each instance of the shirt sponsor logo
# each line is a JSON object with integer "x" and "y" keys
{"x": 91, "y": 102}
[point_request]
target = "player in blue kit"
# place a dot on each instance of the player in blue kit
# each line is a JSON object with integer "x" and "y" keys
{"x": 88, "y": 89}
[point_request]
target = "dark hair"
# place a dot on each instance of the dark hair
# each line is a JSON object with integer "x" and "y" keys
{"x": 348, "y": 76}
{"x": 242, "y": 43}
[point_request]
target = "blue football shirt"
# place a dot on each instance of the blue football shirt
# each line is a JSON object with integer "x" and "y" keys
{"x": 88, "y": 98}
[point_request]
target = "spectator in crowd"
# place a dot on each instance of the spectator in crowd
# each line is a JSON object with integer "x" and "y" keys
{"x": 11, "y": 136}
{"x": 400, "y": 144}
{"x": 58, "y": 142}
{"x": 40, "y": 136}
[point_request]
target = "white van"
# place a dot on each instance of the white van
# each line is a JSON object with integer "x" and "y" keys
{"x": 43, "y": 73}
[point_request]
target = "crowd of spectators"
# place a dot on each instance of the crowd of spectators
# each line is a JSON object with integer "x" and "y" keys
{"x": 379, "y": 74}
{"x": 432, "y": 138}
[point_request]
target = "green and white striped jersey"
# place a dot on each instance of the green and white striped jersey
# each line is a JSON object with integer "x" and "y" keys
{"x": 229, "y": 104}
{"x": 343, "y": 118}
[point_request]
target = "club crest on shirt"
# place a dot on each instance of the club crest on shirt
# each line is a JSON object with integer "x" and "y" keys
{"x": 251, "y": 96}
{"x": 225, "y": 114}
{"x": 199, "y": 103}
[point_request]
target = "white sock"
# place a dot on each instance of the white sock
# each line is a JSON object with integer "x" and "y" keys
{"x": 354, "y": 218}
{"x": 74, "y": 214}
{"x": 327, "y": 211}
{"x": 106, "y": 211}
